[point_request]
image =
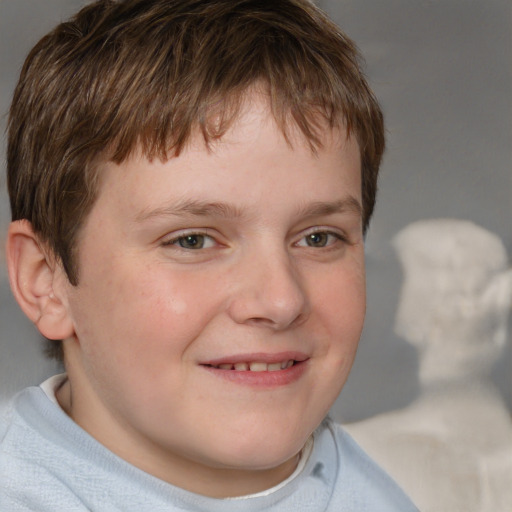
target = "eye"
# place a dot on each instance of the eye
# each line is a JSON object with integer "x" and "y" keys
{"x": 192, "y": 241}
{"x": 320, "y": 239}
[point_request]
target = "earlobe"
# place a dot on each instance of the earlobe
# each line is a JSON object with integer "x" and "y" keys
{"x": 33, "y": 275}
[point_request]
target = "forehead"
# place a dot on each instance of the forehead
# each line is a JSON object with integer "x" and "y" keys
{"x": 256, "y": 117}
{"x": 239, "y": 164}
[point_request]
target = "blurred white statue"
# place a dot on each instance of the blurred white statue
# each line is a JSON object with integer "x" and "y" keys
{"x": 451, "y": 449}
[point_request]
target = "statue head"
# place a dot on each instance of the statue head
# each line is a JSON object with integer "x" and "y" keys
{"x": 456, "y": 293}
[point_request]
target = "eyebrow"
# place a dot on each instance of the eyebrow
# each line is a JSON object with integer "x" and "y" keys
{"x": 197, "y": 208}
{"x": 320, "y": 208}
{"x": 193, "y": 208}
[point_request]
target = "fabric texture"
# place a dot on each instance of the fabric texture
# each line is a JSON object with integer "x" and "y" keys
{"x": 49, "y": 464}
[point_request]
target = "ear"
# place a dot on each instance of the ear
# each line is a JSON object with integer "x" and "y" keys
{"x": 499, "y": 292}
{"x": 38, "y": 282}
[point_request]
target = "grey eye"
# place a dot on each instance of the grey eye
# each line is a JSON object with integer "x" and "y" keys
{"x": 317, "y": 239}
{"x": 191, "y": 241}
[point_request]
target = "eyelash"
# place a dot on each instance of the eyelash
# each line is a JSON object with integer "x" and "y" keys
{"x": 184, "y": 236}
{"x": 338, "y": 237}
{"x": 180, "y": 241}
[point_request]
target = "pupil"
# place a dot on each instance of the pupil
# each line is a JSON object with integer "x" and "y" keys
{"x": 192, "y": 241}
{"x": 317, "y": 239}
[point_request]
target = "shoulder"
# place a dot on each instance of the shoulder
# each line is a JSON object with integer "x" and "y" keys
{"x": 361, "y": 484}
{"x": 48, "y": 463}
{"x": 26, "y": 455}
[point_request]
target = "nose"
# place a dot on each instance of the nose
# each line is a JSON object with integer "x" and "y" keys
{"x": 269, "y": 292}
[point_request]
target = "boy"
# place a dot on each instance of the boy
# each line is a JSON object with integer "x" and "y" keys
{"x": 190, "y": 182}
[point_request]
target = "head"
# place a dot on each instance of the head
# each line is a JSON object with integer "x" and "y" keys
{"x": 124, "y": 75}
{"x": 191, "y": 181}
{"x": 455, "y": 297}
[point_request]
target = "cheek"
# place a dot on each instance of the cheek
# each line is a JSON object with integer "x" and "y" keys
{"x": 153, "y": 307}
{"x": 341, "y": 297}
{"x": 339, "y": 310}
{"x": 134, "y": 324}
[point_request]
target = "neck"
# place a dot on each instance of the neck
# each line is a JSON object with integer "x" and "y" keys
{"x": 444, "y": 370}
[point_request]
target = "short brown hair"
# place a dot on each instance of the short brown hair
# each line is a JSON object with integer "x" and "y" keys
{"x": 123, "y": 74}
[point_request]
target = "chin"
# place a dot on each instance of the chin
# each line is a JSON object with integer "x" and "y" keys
{"x": 257, "y": 460}
{"x": 264, "y": 451}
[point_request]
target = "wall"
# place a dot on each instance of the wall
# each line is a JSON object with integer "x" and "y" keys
{"x": 443, "y": 71}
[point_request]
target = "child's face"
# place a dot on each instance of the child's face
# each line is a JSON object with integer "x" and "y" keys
{"x": 195, "y": 269}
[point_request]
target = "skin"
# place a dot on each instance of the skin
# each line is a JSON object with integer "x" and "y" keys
{"x": 153, "y": 309}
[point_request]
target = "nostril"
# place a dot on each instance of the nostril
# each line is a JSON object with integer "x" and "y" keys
{"x": 269, "y": 296}
{"x": 261, "y": 321}
{"x": 277, "y": 323}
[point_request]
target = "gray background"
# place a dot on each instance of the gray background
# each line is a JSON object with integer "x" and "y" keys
{"x": 443, "y": 72}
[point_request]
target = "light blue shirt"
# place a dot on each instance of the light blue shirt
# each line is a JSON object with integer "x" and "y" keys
{"x": 49, "y": 464}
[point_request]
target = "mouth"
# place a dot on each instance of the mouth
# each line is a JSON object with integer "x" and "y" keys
{"x": 255, "y": 366}
{"x": 260, "y": 370}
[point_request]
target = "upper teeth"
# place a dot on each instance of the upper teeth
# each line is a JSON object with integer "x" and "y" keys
{"x": 256, "y": 366}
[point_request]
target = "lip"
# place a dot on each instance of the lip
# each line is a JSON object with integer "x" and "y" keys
{"x": 263, "y": 379}
{"x": 260, "y": 357}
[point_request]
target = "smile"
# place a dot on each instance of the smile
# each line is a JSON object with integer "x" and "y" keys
{"x": 255, "y": 366}
{"x": 260, "y": 370}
